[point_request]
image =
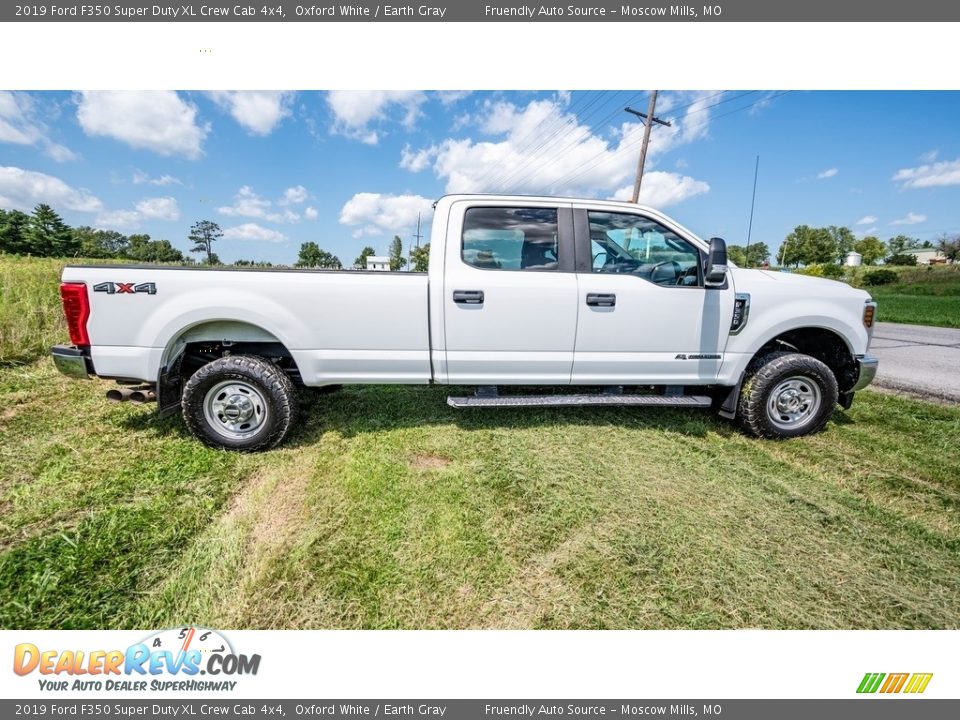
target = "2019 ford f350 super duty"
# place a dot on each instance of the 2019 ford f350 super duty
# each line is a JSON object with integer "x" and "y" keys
{"x": 615, "y": 301}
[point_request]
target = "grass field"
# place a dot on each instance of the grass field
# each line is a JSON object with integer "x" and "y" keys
{"x": 922, "y": 296}
{"x": 389, "y": 509}
{"x": 386, "y": 508}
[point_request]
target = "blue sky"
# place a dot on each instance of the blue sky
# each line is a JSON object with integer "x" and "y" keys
{"x": 347, "y": 169}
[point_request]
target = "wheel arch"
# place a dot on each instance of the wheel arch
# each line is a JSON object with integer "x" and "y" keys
{"x": 826, "y": 344}
{"x": 203, "y": 341}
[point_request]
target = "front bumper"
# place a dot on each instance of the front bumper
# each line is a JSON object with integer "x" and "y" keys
{"x": 867, "y": 371}
{"x": 72, "y": 361}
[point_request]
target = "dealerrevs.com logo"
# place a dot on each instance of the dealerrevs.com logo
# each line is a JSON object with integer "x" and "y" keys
{"x": 179, "y": 659}
{"x": 892, "y": 683}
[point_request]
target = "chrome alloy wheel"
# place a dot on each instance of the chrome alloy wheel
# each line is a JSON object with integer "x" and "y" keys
{"x": 793, "y": 402}
{"x": 235, "y": 409}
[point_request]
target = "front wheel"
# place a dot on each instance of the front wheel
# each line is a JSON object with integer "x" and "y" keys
{"x": 787, "y": 395}
{"x": 240, "y": 402}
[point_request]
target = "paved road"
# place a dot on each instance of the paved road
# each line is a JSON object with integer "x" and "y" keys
{"x": 918, "y": 359}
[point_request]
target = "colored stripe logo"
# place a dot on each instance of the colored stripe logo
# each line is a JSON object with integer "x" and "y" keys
{"x": 894, "y": 683}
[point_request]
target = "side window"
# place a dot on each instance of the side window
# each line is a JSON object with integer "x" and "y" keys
{"x": 635, "y": 245}
{"x": 496, "y": 238}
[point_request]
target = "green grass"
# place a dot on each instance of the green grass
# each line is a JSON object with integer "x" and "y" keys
{"x": 922, "y": 296}
{"x": 31, "y": 319}
{"x": 388, "y": 509}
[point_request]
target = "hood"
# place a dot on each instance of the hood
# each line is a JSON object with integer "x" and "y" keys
{"x": 819, "y": 285}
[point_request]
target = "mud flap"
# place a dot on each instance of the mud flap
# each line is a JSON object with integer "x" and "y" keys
{"x": 170, "y": 388}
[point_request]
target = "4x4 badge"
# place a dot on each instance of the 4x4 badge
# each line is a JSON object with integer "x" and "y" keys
{"x": 112, "y": 288}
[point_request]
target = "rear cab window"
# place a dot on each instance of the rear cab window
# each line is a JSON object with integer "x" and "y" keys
{"x": 511, "y": 238}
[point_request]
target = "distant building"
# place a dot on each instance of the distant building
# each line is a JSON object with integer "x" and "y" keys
{"x": 928, "y": 256}
{"x": 854, "y": 259}
{"x": 378, "y": 262}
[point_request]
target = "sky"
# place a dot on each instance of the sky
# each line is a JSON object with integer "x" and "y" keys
{"x": 349, "y": 169}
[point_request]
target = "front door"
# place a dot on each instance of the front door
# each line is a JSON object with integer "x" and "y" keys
{"x": 644, "y": 313}
{"x": 510, "y": 294}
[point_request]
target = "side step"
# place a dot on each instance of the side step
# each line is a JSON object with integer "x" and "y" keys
{"x": 474, "y": 401}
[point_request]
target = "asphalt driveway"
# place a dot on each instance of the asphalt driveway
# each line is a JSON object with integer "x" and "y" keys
{"x": 918, "y": 359}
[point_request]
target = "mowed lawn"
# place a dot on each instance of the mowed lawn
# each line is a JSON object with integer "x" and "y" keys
{"x": 388, "y": 509}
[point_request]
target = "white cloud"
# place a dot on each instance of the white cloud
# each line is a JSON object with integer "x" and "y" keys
{"x": 246, "y": 203}
{"x": 929, "y": 156}
{"x": 160, "y": 121}
{"x": 938, "y": 174}
{"x": 355, "y": 110}
{"x": 23, "y": 189}
{"x": 252, "y": 231}
{"x": 376, "y": 213}
{"x": 294, "y": 195}
{"x": 311, "y": 213}
{"x": 159, "y": 208}
{"x": 258, "y": 111}
{"x": 662, "y": 189}
{"x": 118, "y": 220}
{"x": 451, "y": 97}
{"x": 911, "y": 218}
{"x": 140, "y": 177}
{"x": 867, "y": 220}
{"x": 862, "y": 233}
{"x": 571, "y": 159}
{"x": 419, "y": 160}
{"x": 20, "y": 125}
{"x": 828, "y": 173}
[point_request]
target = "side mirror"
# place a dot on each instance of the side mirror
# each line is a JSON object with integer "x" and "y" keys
{"x": 715, "y": 272}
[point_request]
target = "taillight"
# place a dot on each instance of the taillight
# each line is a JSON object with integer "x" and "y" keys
{"x": 869, "y": 313}
{"x": 76, "y": 306}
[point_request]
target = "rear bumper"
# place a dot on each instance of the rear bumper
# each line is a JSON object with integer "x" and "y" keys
{"x": 867, "y": 371}
{"x": 72, "y": 361}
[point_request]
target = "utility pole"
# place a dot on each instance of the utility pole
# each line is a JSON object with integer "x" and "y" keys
{"x": 647, "y": 119}
{"x": 418, "y": 235}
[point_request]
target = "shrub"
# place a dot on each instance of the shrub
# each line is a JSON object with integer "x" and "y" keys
{"x": 880, "y": 277}
{"x": 901, "y": 259}
{"x": 827, "y": 270}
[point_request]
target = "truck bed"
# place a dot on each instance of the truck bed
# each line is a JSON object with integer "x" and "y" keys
{"x": 340, "y": 326}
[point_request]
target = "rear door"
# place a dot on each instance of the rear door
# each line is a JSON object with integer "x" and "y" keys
{"x": 510, "y": 293}
{"x": 645, "y": 314}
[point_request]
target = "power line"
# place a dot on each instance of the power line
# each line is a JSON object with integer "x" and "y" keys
{"x": 601, "y": 159}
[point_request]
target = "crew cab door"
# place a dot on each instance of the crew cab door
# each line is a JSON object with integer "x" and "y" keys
{"x": 510, "y": 293}
{"x": 645, "y": 315}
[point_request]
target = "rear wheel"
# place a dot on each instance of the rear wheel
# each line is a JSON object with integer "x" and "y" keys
{"x": 787, "y": 395}
{"x": 240, "y": 402}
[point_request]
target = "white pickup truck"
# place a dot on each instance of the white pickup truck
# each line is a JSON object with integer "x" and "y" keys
{"x": 584, "y": 302}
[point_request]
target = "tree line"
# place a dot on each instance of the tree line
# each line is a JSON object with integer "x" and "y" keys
{"x": 43, "y": 233}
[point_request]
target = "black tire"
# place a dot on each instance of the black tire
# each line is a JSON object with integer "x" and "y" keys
{"x": 222, "y": 394}
{"x": 787, "y": 395}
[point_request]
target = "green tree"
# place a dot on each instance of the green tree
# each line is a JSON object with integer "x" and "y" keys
{"x": 142, "y": 249}
{"x": 737, "y": 255}
{"x": 13, "y": 230}
{"x": 101, "y": 243}
{"x": 361, "y": 261}
{"x": 47, "y": 235}
{"x": 420, "y": 258}
{"x": 843, "y": 239}
{"x": 950, "y": 247}
{"x": 203, "y": 234}
{"x": 819, "y": 247}
{"x": 397, "y": 260}
{"x": 792, "y": 251}
{"x": 871, "y": 248}
{"x": 312, "y": 256}
{"x": 901, "y": 243}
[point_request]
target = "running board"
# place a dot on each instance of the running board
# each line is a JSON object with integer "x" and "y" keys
{"x": 474, "y": 401}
